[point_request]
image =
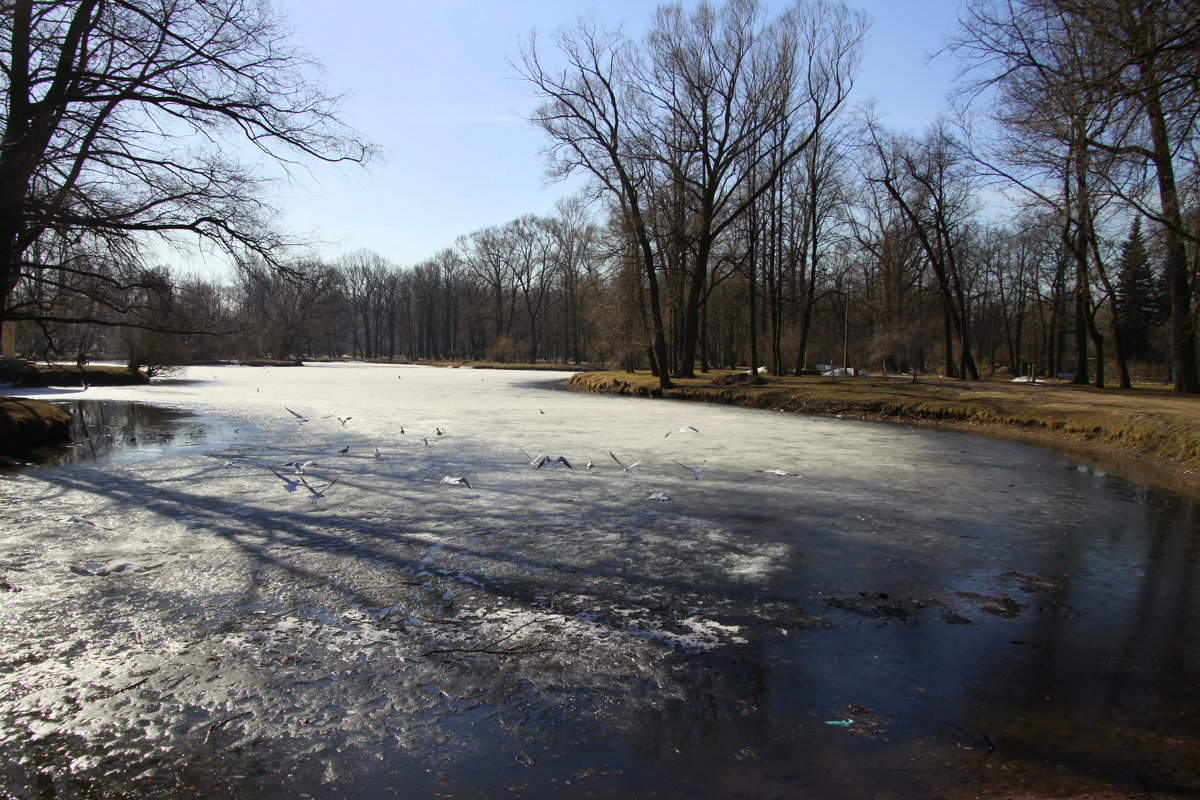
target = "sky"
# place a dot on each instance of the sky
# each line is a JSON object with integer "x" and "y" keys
{"x": 430, "y": 84}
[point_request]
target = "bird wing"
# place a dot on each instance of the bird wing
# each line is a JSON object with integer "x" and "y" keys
{"x": 294, "y": 414}
{"x": 566, "y": 463}
{"x": 634, "y": 464}
{"x": 541, "y": 462}
{"x": 614, "y": 458}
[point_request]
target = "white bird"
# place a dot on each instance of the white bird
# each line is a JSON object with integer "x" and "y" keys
{"x": 229, "y": 464}
{"x": 303, "y": 419}
{"x": 290, "y": 484}
{"x": 553, "y": 462}
{"x": 298, "y": 465}
{"x": 590, "y": 466}
{"x": 662, "y": 497}
{"x": 695, "y": 472}
{"x": 344, "y": 420}
{"x": 780, "y": 472}
{"x": 377, "y": 453}
{"x": 316, "y": 495}
{"x": 684, "y": 429}
{"x": 629, "y": 469}
{"x": 455, "y": 481}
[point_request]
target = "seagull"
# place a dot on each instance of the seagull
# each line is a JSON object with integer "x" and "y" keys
{"x": 345, "y": 450}
{"x": 402, "y": 429}
{"x": 629, "y": 469}
{"x": 456, "y": 481}
{"x": 298, "y": 466}
{"x": 290, "y": 484}
{"x": 662, "y": 497}
{"x": 425, "y": 439}
{"x": 553, "y": 462}
{"x": 684, "y": 429}
{"x": 590, "y": 466}
{"x": 695, "y": 472}
{"x": 440, "y": 432}
{"x": 780, "y": 472}
{"x": 303, "y": 419}
{"x": 377, "y": 453}
{"x": 344, "y": 420}
{"x": 229, "y": 464}
{"x": 316, "y": 495}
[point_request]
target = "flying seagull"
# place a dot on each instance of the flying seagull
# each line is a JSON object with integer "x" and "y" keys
{"x": 629, "y": 469}
{"x": 779, "y": 472}
{"x": 229, "y": 463}
{"x": 289, "y": 483}
{"x": 303, "y": 419}
{"x": 298, "y": 466}
{"x": 684, "y": 429}
{"x": 317, "y": 494}
{"x": 553, "y": 462}
{"x": 695, "y": 472}
{"x": 662, "y": 497}
{"x": 455, "y": 481}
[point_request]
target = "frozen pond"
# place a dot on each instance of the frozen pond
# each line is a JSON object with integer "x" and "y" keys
{"x": 903, "y": 614}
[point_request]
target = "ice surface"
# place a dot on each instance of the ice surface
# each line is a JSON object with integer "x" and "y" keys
{"x": 396, "y": 627}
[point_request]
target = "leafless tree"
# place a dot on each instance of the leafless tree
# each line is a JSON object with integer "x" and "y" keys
{"x": 1126, "y": 72}
{"x": 122, "y": 124}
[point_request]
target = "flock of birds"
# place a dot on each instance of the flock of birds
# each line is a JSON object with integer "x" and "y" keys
{"x": 298, "y": 479}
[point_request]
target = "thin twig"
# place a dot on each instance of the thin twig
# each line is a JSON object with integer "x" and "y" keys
{"x": 222, "y": 723}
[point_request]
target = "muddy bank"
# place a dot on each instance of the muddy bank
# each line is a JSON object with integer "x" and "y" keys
{"x": 1149, "y": 434}
{"x": 25, "y": 424}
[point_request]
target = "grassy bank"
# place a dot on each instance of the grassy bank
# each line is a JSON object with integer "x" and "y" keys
{"x": 25, "y": 424}
{"x": 1148, "y": 433}
{"x": 30, "y": 374}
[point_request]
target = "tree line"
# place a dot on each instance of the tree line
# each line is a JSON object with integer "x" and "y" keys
{"x": 741, "y": 212}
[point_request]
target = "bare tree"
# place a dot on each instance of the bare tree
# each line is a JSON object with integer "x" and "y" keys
{"x": 587, "y": 112}
{"x": 1114, "y": 82}
{"x": 121, "y": 124}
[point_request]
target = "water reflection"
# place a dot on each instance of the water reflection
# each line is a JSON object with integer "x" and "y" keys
{"x": 116, "y": 431}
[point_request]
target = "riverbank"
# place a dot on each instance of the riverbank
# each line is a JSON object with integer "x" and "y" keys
{"x": 26, "y": 424}
{"x": 1148, "y": 434}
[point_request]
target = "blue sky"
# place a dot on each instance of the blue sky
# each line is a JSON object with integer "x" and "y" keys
{"x": 430, "y": 84}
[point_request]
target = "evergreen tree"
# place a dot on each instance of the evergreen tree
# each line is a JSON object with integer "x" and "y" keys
{"x": 1138, "y": 304}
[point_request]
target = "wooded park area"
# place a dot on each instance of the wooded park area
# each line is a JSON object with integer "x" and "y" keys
{"x": 742, "y": 209}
